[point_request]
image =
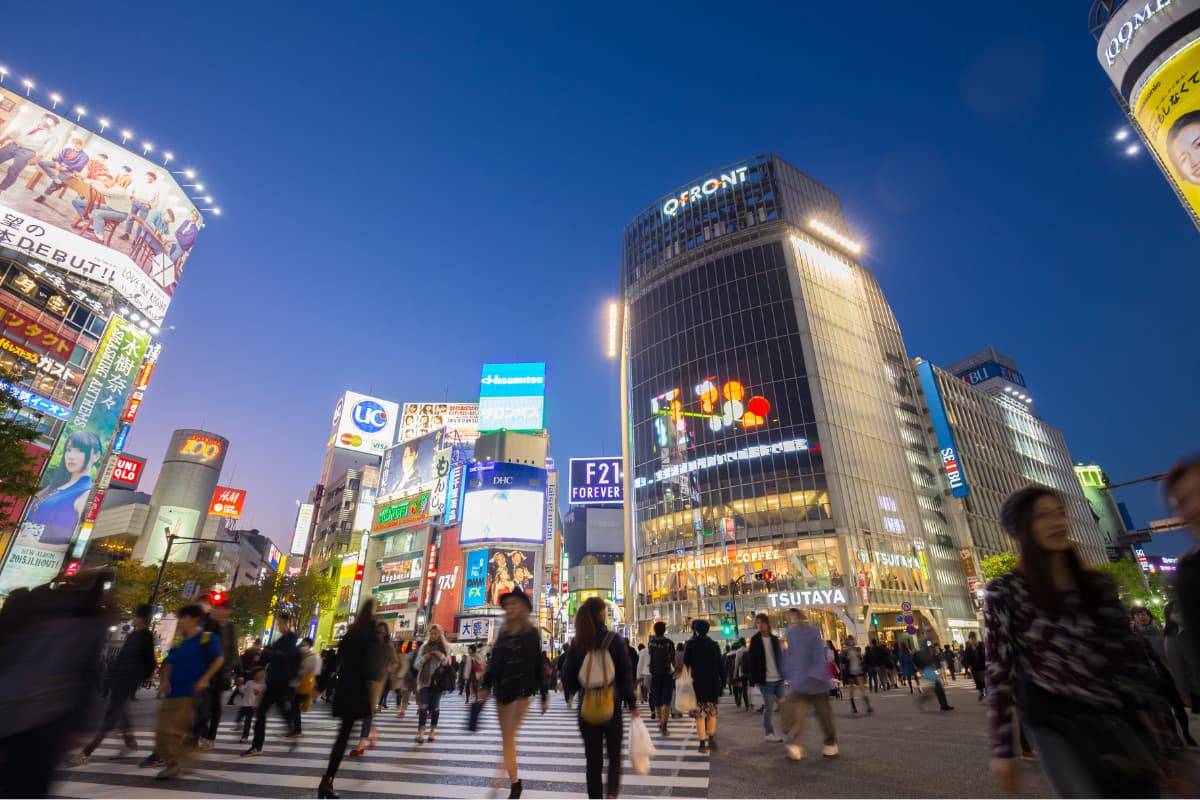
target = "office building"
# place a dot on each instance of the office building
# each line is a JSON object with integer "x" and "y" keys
{"x": 1107, "y": 513}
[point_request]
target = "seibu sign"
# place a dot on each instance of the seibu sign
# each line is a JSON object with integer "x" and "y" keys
{"x": 705, "y": 189}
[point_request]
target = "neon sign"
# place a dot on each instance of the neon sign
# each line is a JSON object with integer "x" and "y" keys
{"x": 745, "y": 454}
{"x": 705, "y": 189}
{"x": 720, "y": 409}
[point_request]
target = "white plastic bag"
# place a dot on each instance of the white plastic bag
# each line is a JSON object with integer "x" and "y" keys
{"x": 685, "y": 693}
{"x": 641, "y": 748}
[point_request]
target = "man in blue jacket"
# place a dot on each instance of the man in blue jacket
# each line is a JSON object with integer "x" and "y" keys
{"x": 807, "y": 674}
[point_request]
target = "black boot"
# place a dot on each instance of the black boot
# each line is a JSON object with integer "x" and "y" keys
{"x": 515, "y": 790}
{"x": 941, "y": 697}
{"x": 326, "y": 789}
{"x": 853, "y": 707}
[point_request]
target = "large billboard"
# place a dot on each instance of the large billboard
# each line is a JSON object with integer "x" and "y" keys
{"x": 947, "y": 448}
{"x": 450, "y": 578}
{"x": 411, "y": 466}
{"x": 400, "y": 513}
{"x": 57, "y": 508}
{"x": 364, "y": 424}
{"x": 82, "y": 203}
{"x": 173, "y": 521}
{"x": 511, "y": 569}
{"x": 475, "y": 587}
{"x": 304, "y": 518}
{"x": 227, "y": 502}
{"x": 512, "y": 397}
{"x": 461, "y": 421}
{"x": 503, "y": 502}
{"x": 596, "y": 481}
{"x": 1167, "y": 109}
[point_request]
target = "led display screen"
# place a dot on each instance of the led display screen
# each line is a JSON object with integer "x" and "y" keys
{"x": 503, "y": 502}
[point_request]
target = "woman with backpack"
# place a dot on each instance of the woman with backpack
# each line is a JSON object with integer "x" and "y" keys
{"x": 702, "y": 657}
{"x": 432, "y": 660}
{"x": 514, "y": 674}
{"x": 352, "y": 700}
{"x": 598, "y": 667}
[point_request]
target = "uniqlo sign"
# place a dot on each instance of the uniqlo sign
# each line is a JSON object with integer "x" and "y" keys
{"x": 127, "y": 472}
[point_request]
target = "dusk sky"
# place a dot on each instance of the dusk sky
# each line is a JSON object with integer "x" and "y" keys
{"x": 410, "y": 190}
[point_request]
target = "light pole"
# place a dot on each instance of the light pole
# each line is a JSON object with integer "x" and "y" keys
{"x": 171, "y": 540}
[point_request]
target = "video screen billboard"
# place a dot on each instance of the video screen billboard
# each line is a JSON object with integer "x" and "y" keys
{"x": 512, "y": 397}
{"x": 508, "y": 570}
{"x": 596, "y": 481}
{"x": 461, "y": 421}
{"x": 412, "y": 465}
{"x": 475, "y": 591}
{"x": 57, "y": 508}
{"x": 82, "y": 203}
{"x": 364, "y": 424}
{"x": 503, "y": 502}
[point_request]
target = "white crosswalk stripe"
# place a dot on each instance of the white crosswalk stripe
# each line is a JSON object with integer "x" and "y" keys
{"x": 459, "y": 764}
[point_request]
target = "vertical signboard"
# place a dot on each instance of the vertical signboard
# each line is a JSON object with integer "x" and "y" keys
{"x": 57, "y": 509}
{"x": 475, "y": 591}
{"x": 304, "y": 519}
{"x": 947, "y": 449}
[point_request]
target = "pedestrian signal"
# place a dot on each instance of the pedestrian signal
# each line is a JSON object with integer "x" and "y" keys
{"x": 728, "y": 630}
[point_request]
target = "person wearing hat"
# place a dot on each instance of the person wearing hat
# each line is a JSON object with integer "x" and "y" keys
{"x": 514, "y": 675}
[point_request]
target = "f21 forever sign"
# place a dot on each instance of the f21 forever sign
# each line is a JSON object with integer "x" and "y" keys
{"x": 596, "y": 481}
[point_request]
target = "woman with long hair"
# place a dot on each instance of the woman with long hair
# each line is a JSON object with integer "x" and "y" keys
{"x": 378, "y": 668}
{"x": 352, "y": 700}
{"x": 59, "y": 507}
{"x": 432, "y": 656}
{"x": 1060, "y": 652}
{"x": 593, "y": 652}
{"x": 514, "y": 674}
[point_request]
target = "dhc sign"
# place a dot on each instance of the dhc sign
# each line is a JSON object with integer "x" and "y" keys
{"x": 704, "y": 189}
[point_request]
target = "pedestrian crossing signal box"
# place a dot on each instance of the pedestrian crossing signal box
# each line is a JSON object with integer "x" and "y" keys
{"x": 728, "y": 629}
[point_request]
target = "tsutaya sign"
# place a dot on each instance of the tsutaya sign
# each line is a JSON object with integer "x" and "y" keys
{"x": 708, "y": 187}
{"x": 807, "y": 597}
{"x": 716, "y": 559}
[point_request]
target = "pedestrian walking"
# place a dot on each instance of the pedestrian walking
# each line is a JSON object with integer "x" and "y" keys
{"x": 675, "y": 713}
{"x": 702, "y": 658}
{"x": 927, "y": 660}
{"x": 513, "y": 675}
{"x": 661, "y": 657}
{"x": 1150, "y": 635}
{"x": 1183, "y": 658}
{"x": 853, "y": 669}
{"x": 872, "y": 665}
{"x": 1182, "y": 487}
{"x": 282, "y": 660}
{"x": 741, "y": 685}
{"x": 352, "y": 698}
{"x": 908, "y": 668}
{"x": 597, "y": 667}
{"x": 187, "y": 673}
{"x": 643, "y": 674}
{"x": 252, "y": 692}
{"x": 327, "y": 680}
{"x": 950, "y": 660}
{"x": 806, "y": 671}
{"x": 472, "y": 668}
{"x": 975, "y": 663}
{"x": 380, "y": 663}
{"x": 408, "y": 677}
{"x": 134, "y": 663}
{"x": 208, "y": 717}
{"x": 764, "y": 660}
{"x": 306, "y": 678}
{"x": 432, "y": 659}
{"x": 1060, "y": 652}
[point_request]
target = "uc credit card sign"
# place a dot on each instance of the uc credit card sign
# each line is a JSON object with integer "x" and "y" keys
{"x": 596, "y": 481}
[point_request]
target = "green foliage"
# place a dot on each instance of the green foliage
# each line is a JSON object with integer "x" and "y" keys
{"x": 997, "y": 565}
{"x": 303, "y": 594}
{"x": 19, "y": 477}
{"x": 1137, "y": 588}
{"x": 135, "y": 581}
{"x": 249, "y": 605}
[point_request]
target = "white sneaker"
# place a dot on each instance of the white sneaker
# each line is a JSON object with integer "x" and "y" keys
{"x": 795, "y": 752}
{"x": 829, "y": 750}
{"x": 206, "y": 744}
{"x": 772, "y": 737}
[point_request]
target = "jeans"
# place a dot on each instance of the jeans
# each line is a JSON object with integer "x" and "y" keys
{"x": 139, "y": 209}
{"x": 873, "y": 679}
{"x": 771, "y": 691}
{"x": 276, "y": 694}
{"x": 100, "y": 216}
{"x": 596, "y": 738}
{"x": 20, "y": 156}
{"x": 115, "y": 716}
{"x": 795, "y": 715}
{"x": 430, "y": 700}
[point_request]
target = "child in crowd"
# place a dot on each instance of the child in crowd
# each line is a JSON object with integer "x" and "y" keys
{"x": 251, "y": 695}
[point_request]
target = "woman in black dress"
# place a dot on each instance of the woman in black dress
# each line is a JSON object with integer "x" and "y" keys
{"x": 352, "y": 699}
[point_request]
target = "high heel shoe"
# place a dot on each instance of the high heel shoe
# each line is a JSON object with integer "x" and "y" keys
{"x": 515, "y": 790}
{"x": 357, "y": 752}
{"x": 326, "y": 789}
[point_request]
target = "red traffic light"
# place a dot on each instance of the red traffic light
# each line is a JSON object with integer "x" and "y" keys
{"x": 217, "y": 598}
{"x": 72, "y": 569}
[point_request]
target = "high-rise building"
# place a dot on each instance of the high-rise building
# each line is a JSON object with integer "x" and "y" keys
{"x": 341, "y": 521}
{"x": 775, "y": 453}
{"x": 1105, "y": 509}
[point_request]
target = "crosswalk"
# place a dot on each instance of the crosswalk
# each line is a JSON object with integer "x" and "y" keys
{"x": 460, "y": 764}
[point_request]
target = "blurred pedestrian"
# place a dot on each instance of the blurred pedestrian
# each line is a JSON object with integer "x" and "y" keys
{"x": 472, "y": 668}
{"x": 598, "y": 663}
{"x": 352, "y": 700}
{"x": 927, "y": 660}
{"x": 1182, "y": 657}
{"x": 187, "y": 674}
{"x": 432, "y": 659}
{"x": 282, "y": 660}
{"x": 1182, "y": 486}
{"x": 306, "y": 678}
{"x": 661, "y": 655}
{"x": 763, "y": 663}
{"x": 380, "y": 663}
{"x": 217, "y": 622}
{"x": 853, "y": 670}
{"x": 702, "y": 658}
{"x": 908, "y": 668}
{"x": 1151, "y": 636}
{"x": 975, "y": 663}
{"x": 134, "y": 663}
{"x": 405, "y": 659}
{"x": 514, "y": 674}
{"x": 807, "y": 674}
{"x": 643, "y": 674}
{"x": 1060, "y": 652}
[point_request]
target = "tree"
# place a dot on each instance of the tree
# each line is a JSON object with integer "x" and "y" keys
{"x": 303, "y": 594}
{"x": 134, "y": 581}
{"x": 19, "y": 469}
{"x": 250, "y": 605}
{"x": 1134, "y": 587}
{"x": 997, "y": 565}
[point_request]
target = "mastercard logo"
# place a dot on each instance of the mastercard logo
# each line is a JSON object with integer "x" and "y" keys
{"x": 351, "y": 440}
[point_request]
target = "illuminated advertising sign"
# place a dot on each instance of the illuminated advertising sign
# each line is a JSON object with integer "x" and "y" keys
{"x": 454, "y": 491}
{"x": 364, "y": 512}
{"x": 57, "y": 509}
{"x": 448, "y": 590}
{"x": 411, "y": 466}
{"x": 127, "y": 472}
{"x": 461, "y": 421}
{"x": 199, "y": 448}
{"x": 274, "y": 557}
{"x": 596, "y": 480}
{"x": 712, "y": 407}
{"x": 508, "y": 570}
{"x": 551, "y": 501}
{"x": 503, "y": 502}
{"x": 947, "y": 449}
{"x": 38, "y": 403}
{"x": 88, "y": 206}
{"x": 991, "y": 369}
{"x": 398, "y": 513}
{"x": 23, "y": 329}
{"x": 364, "y": 424}
{"x": 403, "y": 570}
{"x": 131, "y": 409}
{"x": 705, "y": 188}
{"x": 304, "y": 517}
{"x": 512, "y": 397}
{"x": 176, "y": 521}
{"x": 807, "y": 597}
{"x": 227, "y": 502}
{"x": 475, "y": 589}
{"x": 121, "y": 438}
{"x": 475, "y": 629}
{"x": 708, "y": 462}
{"x": 1168, "y": 111}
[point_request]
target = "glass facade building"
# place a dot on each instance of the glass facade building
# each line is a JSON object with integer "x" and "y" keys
{"x": 774, "y": 442}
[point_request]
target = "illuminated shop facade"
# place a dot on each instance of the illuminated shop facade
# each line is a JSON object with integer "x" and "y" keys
{"x": 775, "y": 453}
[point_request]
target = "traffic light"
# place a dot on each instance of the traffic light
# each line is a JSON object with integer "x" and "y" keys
{"x": 728, "y": 629}
{"x": 216, "y": 597}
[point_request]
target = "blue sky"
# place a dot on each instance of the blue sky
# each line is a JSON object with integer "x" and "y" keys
{"x": 412, "y": 190}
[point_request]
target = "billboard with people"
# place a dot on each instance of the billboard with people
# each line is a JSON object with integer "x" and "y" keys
{"x": 78, "y": 201}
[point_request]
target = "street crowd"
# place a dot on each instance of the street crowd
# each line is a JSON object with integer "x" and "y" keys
{"x": 1097, "y": 693}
